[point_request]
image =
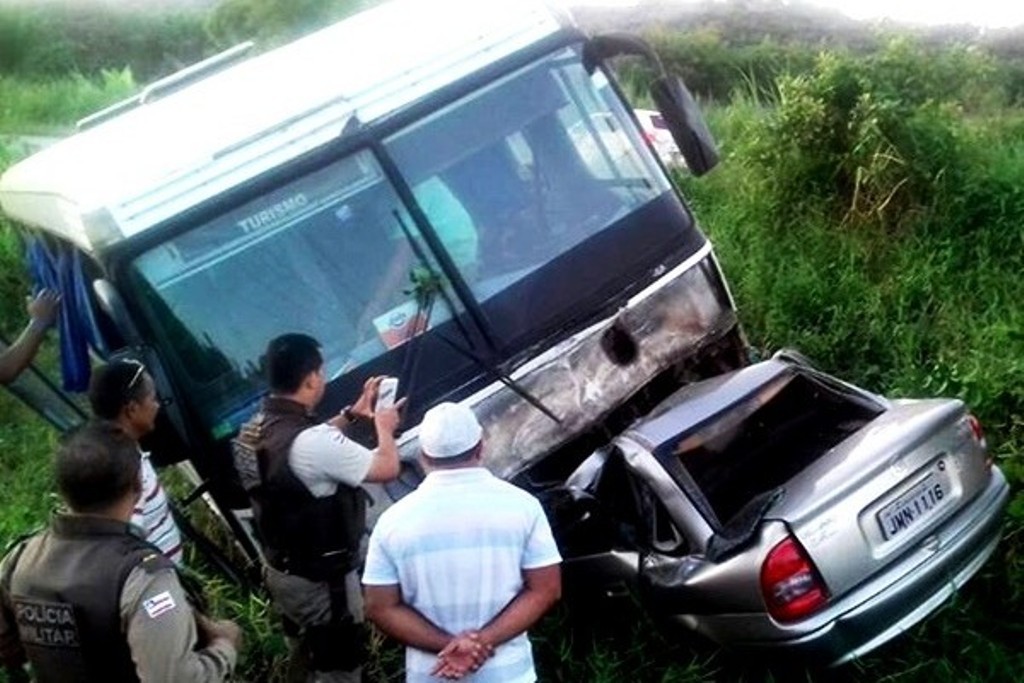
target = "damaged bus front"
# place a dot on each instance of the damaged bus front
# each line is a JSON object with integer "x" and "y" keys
{"x": 473, "y": 210}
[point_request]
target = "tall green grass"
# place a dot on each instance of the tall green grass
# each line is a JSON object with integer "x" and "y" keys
{"x": 26, "y": 442}
{"x": 51, "y": 106}
{"x": 915, "y": 292}
{"x": 54, "y": 39}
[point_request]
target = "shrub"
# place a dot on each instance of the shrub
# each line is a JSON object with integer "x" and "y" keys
{"x": 273, "y": 22}
{"x": 47, "y": 106}
{"x": 56, "y": 39}
{"x": 714, "y": 65}
{"x": 877, "y": 138}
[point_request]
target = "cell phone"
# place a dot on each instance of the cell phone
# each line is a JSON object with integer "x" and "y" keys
{"x": 387, "y": 392}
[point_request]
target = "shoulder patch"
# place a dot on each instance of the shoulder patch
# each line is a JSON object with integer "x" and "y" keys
{"x": 161, "y": 603}
{"x": 244, "y": 448}
{"x": 154, "y": 562}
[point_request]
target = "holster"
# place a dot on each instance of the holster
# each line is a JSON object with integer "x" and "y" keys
{"x": 339, "y": 645}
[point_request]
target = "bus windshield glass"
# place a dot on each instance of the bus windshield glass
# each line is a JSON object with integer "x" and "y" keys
{"x": 533, "y": 203}
{"x": 326, "y": 255}
{"x": 545, "y": 195}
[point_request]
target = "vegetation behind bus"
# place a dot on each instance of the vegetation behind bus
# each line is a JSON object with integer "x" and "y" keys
{"x": 867, "y": 212}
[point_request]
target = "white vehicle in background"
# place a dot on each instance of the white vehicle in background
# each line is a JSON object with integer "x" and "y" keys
{"x": 657, "y": 133}
{"x": 605, "y": 144}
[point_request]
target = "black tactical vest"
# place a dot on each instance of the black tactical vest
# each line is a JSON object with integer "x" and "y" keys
{"x": 64, "y": 595}
{"x": 317, "y": 538}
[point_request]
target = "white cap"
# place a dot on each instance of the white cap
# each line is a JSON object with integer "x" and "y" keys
{"x": 449, "y": 429}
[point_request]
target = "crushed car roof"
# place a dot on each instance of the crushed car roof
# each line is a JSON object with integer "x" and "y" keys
{"x": 702, "y": 402}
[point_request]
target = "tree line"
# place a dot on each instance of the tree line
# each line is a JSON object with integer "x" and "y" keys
{"x": 717, "y": 47}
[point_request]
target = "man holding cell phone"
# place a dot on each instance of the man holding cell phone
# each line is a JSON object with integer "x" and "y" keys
{"x": 303, "y": 477}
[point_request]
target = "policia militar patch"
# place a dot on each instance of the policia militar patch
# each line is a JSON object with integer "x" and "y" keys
{"x": 50, "y": 624}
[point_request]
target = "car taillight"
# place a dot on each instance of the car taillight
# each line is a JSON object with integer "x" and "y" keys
{"x": 979, "y": 437}
{"x": 791, "y": 586}
{"x": 976, "y": 430}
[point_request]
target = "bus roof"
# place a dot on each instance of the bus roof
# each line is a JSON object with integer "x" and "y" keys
{"x": 130, "y": 172}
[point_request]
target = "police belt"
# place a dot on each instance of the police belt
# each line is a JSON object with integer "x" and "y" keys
{"x": 331, "y": 566}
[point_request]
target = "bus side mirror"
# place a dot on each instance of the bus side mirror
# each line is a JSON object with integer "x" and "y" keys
{"x": 671, "y": 96}
{"x": 686, "y": 123}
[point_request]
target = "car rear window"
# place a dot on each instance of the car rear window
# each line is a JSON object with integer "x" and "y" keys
{"x": 769, "y": 437}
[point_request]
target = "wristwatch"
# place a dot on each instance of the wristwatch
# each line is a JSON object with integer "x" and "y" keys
{"x": 348, "y": 414}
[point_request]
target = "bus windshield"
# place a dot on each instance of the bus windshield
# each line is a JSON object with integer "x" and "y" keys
{"x": 536, "y": 194}
{"x": 542, "y": 162}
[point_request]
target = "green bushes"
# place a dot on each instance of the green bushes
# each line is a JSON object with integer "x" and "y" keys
{"x": 48, "y": 40}
{"x": 56, "y": 39}
{"x": 876, "y": 225}
{"x": 53, "y": 104}
{"x": 714, "y": 66}
{"x": 877, "y": 138}
{"x": 273, "y": 22}
{"x": 873, "y": 220}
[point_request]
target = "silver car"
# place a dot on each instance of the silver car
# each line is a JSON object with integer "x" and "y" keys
{"x": 776, "y": 508}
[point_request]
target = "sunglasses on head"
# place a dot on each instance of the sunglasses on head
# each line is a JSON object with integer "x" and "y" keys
{"x": 140, "y": 368}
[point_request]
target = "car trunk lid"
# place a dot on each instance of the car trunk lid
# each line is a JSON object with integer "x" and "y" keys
{"x": 899, "y": 476}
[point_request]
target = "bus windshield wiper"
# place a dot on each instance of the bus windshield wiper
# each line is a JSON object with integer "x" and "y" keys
{"x": 427, "y": 284}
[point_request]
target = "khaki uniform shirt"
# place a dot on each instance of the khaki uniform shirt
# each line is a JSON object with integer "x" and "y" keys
{"x": 161, "y": 630}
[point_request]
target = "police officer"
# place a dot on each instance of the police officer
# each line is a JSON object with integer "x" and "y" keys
{"x": 304, "y": 477}
{"x": 90, "y": 600}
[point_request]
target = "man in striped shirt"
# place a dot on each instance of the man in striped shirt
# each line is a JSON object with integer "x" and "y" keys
{"x": 460, "y": 568}
{"x": 124, "y": 393}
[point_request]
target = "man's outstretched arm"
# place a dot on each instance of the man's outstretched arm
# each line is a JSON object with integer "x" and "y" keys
{"x": 42, "y": 312}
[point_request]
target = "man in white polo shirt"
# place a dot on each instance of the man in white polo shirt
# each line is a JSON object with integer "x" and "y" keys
{"x": 460, "y": 568}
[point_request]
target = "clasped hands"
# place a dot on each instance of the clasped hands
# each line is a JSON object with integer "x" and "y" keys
{"x": 464, "y": 654}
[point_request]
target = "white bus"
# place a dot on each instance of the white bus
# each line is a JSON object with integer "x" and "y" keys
{"x": 454, "y": 193}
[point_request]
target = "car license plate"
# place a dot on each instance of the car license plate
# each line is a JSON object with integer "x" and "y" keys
{"x": 915, "y": 505}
